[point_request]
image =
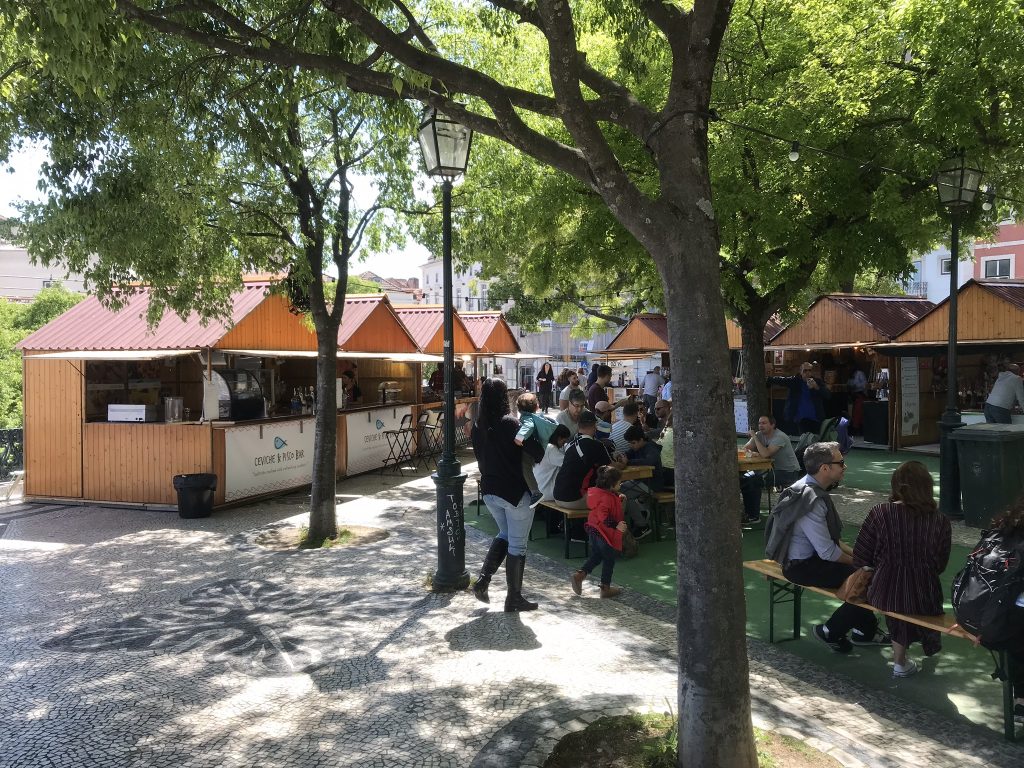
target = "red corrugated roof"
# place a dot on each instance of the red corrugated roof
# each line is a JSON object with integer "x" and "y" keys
{"x": 90, "y": 326}
{"x": 889, "y": 315}
{"x": 357, "y": 308}
{"x": 1010, "y": 291}
{"x": 423, "y": 321}
{"x": 480, "y": 325}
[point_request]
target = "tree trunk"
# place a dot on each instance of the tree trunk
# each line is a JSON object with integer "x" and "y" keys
{"x": 759, "y": 401}
{"x": 714, "y": 690}
{"x": 323, "y": 522}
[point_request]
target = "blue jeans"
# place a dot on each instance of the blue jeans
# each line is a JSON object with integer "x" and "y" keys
{"x": 601, "y": 553}
{"x": 514, "y": 521}
{"x": 996, "y": 415}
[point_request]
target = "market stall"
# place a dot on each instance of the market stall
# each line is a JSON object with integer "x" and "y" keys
{"x": 990, "y": 328}
{"x": 838, "y": 334}
{"x": 114, "y": 409}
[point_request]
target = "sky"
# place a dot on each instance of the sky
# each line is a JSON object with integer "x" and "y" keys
{"x": 18, "y": 180}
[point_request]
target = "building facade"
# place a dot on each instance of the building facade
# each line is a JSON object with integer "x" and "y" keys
{"x": 21, "y": 280}
{"x": 1002, "y": 258}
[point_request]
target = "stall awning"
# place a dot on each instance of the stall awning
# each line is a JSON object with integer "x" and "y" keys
{"x": 898, "y": 345}
{"x": 114, "y": 355}
{"x": 395, "y": 357}
{"x": 514, "y": 355}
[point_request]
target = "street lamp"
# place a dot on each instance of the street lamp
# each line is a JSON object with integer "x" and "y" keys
{"x": 445, "y": 145}
{"x": 957, "y": 182}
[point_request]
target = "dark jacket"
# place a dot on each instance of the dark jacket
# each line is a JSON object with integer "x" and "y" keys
{"x": 794, "y": 384}
{"x": 500, "y": 460}
{"x": 794, "y": 503}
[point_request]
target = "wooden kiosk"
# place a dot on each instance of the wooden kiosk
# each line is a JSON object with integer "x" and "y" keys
{"x": 990, "y": 328}
{"x": 101, "y": 424}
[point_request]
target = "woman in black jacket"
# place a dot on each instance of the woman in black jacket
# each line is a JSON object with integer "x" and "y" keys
{"x": 505, "y": 493}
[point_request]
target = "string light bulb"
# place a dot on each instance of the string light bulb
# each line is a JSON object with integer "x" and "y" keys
{"x": 794, "y": 151}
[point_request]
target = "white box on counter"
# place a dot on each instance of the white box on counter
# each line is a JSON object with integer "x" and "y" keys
{"x": 131, "y": 413}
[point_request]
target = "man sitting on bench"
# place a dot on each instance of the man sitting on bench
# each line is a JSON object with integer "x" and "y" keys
{"x": 816, "y": 557}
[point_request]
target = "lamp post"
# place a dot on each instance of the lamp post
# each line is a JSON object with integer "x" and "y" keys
{"x": 957, "y": 182}
{"x": 445, "y": 146}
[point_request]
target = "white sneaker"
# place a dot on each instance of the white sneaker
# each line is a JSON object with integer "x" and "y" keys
{"x": 907, "y": 671}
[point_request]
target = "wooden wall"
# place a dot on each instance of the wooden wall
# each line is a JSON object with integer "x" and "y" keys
{"x": 827, "y": 323}
{"x": 980, "y": 315}
{"x": 135, "y": 462}
{"x": 53, "y": 427}
{"x": 270, "y": 326}
{"x": 382, "y": 331}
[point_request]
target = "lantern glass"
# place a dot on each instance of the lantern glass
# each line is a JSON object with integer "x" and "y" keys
{"x": 958, "y": 181}
{"x": 445, "y": 144}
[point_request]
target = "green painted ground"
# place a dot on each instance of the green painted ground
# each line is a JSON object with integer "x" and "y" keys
{"x": 955, "y": 683}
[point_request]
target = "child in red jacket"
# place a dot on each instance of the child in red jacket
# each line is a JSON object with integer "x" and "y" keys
{"x": 605, "y": 526}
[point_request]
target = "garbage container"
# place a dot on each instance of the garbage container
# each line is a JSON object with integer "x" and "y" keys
{"x": 991, "y": 459}
{"x": 195, "y": 494}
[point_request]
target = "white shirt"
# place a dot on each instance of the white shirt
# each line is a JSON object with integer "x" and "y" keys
{"x": 618, "y": 435}
{"x": 666, "y": 391}
{"x": 1008, "y": 387}
{"x": 546, "y": 471}
{"x": 652, "y": 382}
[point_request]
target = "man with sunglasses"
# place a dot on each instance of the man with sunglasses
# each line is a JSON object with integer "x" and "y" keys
{"x": 817, "y": 557}
{"x": 570, "y": 417}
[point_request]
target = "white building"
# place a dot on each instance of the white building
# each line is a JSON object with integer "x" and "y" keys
{"x": 931, "y": 273}
{"x": 469, "y": 291}
{"x": 21, "y": 280}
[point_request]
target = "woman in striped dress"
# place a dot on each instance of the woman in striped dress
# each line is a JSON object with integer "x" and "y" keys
{"x": 907, "y": 542}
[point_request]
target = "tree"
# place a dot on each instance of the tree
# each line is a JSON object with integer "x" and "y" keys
{"x": 674, "y": 222}
{"x": 16, "y": 322}
{"x": 186, "y": 170}
{"x": 588, "y": 122}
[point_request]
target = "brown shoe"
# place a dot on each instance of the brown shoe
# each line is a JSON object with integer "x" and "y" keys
{"x": 577, "y": 581}
{"x": 608, "y": 591}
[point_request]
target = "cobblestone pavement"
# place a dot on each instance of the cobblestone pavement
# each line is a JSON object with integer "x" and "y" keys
{"x": 134, "y": 638}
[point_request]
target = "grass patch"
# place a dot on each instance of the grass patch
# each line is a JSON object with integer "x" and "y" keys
{"x": 345, "y": 536}
{"x": 649, "y": 741}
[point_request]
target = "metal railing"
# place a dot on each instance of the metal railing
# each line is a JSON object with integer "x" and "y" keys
{"x": 12, "y": 452}
{"x": 917, "y": 288}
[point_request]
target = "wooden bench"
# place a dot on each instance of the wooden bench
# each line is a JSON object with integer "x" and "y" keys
{"x": 782, "y": 590}
{"x": 568, "y": 515}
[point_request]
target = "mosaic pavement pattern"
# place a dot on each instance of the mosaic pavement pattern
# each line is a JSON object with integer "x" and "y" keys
{"x": 131, "y": 639}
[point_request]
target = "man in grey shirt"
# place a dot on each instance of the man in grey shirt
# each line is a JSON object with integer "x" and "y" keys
{"x": 818, "y": 558}
{"x": 768, "y": 443}
{"x": 1007, "y": 389}
{"x": 571, "y": 415}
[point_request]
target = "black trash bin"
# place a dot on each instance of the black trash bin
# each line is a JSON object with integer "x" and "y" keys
{"x": 195, "y": 494}
{"x": 991, "y": 462}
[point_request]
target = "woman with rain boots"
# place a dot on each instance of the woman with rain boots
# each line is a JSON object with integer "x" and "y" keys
{"x": 504, "y": 492}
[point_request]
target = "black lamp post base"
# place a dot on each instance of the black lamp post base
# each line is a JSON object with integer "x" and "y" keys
{"x": 451, "y": 574}
{"x": 949, "y": 469}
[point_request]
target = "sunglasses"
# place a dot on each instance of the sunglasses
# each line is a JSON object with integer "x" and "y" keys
{"x": 841, "y": 463}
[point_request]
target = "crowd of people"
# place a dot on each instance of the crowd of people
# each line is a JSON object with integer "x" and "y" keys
{"x": 574, "y": 460}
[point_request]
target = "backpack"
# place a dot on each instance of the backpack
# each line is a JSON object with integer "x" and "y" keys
{"x": 985, "y": 590}
{"x": 806, "y": 439}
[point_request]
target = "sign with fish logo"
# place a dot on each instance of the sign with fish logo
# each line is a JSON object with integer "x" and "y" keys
{"x": 367, "y": 437}
{"x": 263, "y": 458}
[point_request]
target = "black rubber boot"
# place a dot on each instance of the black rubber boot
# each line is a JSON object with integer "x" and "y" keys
{"x": 492, "y": 561}
{"x": 514, "y": 600}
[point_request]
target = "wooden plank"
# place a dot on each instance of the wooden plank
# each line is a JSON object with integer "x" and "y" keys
{"x": 946, "y": 623}
{"x": 135, "y": 462}
{"x": 53, "y": 428}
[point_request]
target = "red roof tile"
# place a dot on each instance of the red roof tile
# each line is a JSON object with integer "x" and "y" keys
{"x": 1010, "y": 291}
{"x": 90, "y": 326}
{"x": 889, "y": 315}
{"x": 424, "y": 321}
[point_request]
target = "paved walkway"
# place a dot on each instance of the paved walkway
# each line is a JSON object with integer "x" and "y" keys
{"x": 132, "y": 638}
